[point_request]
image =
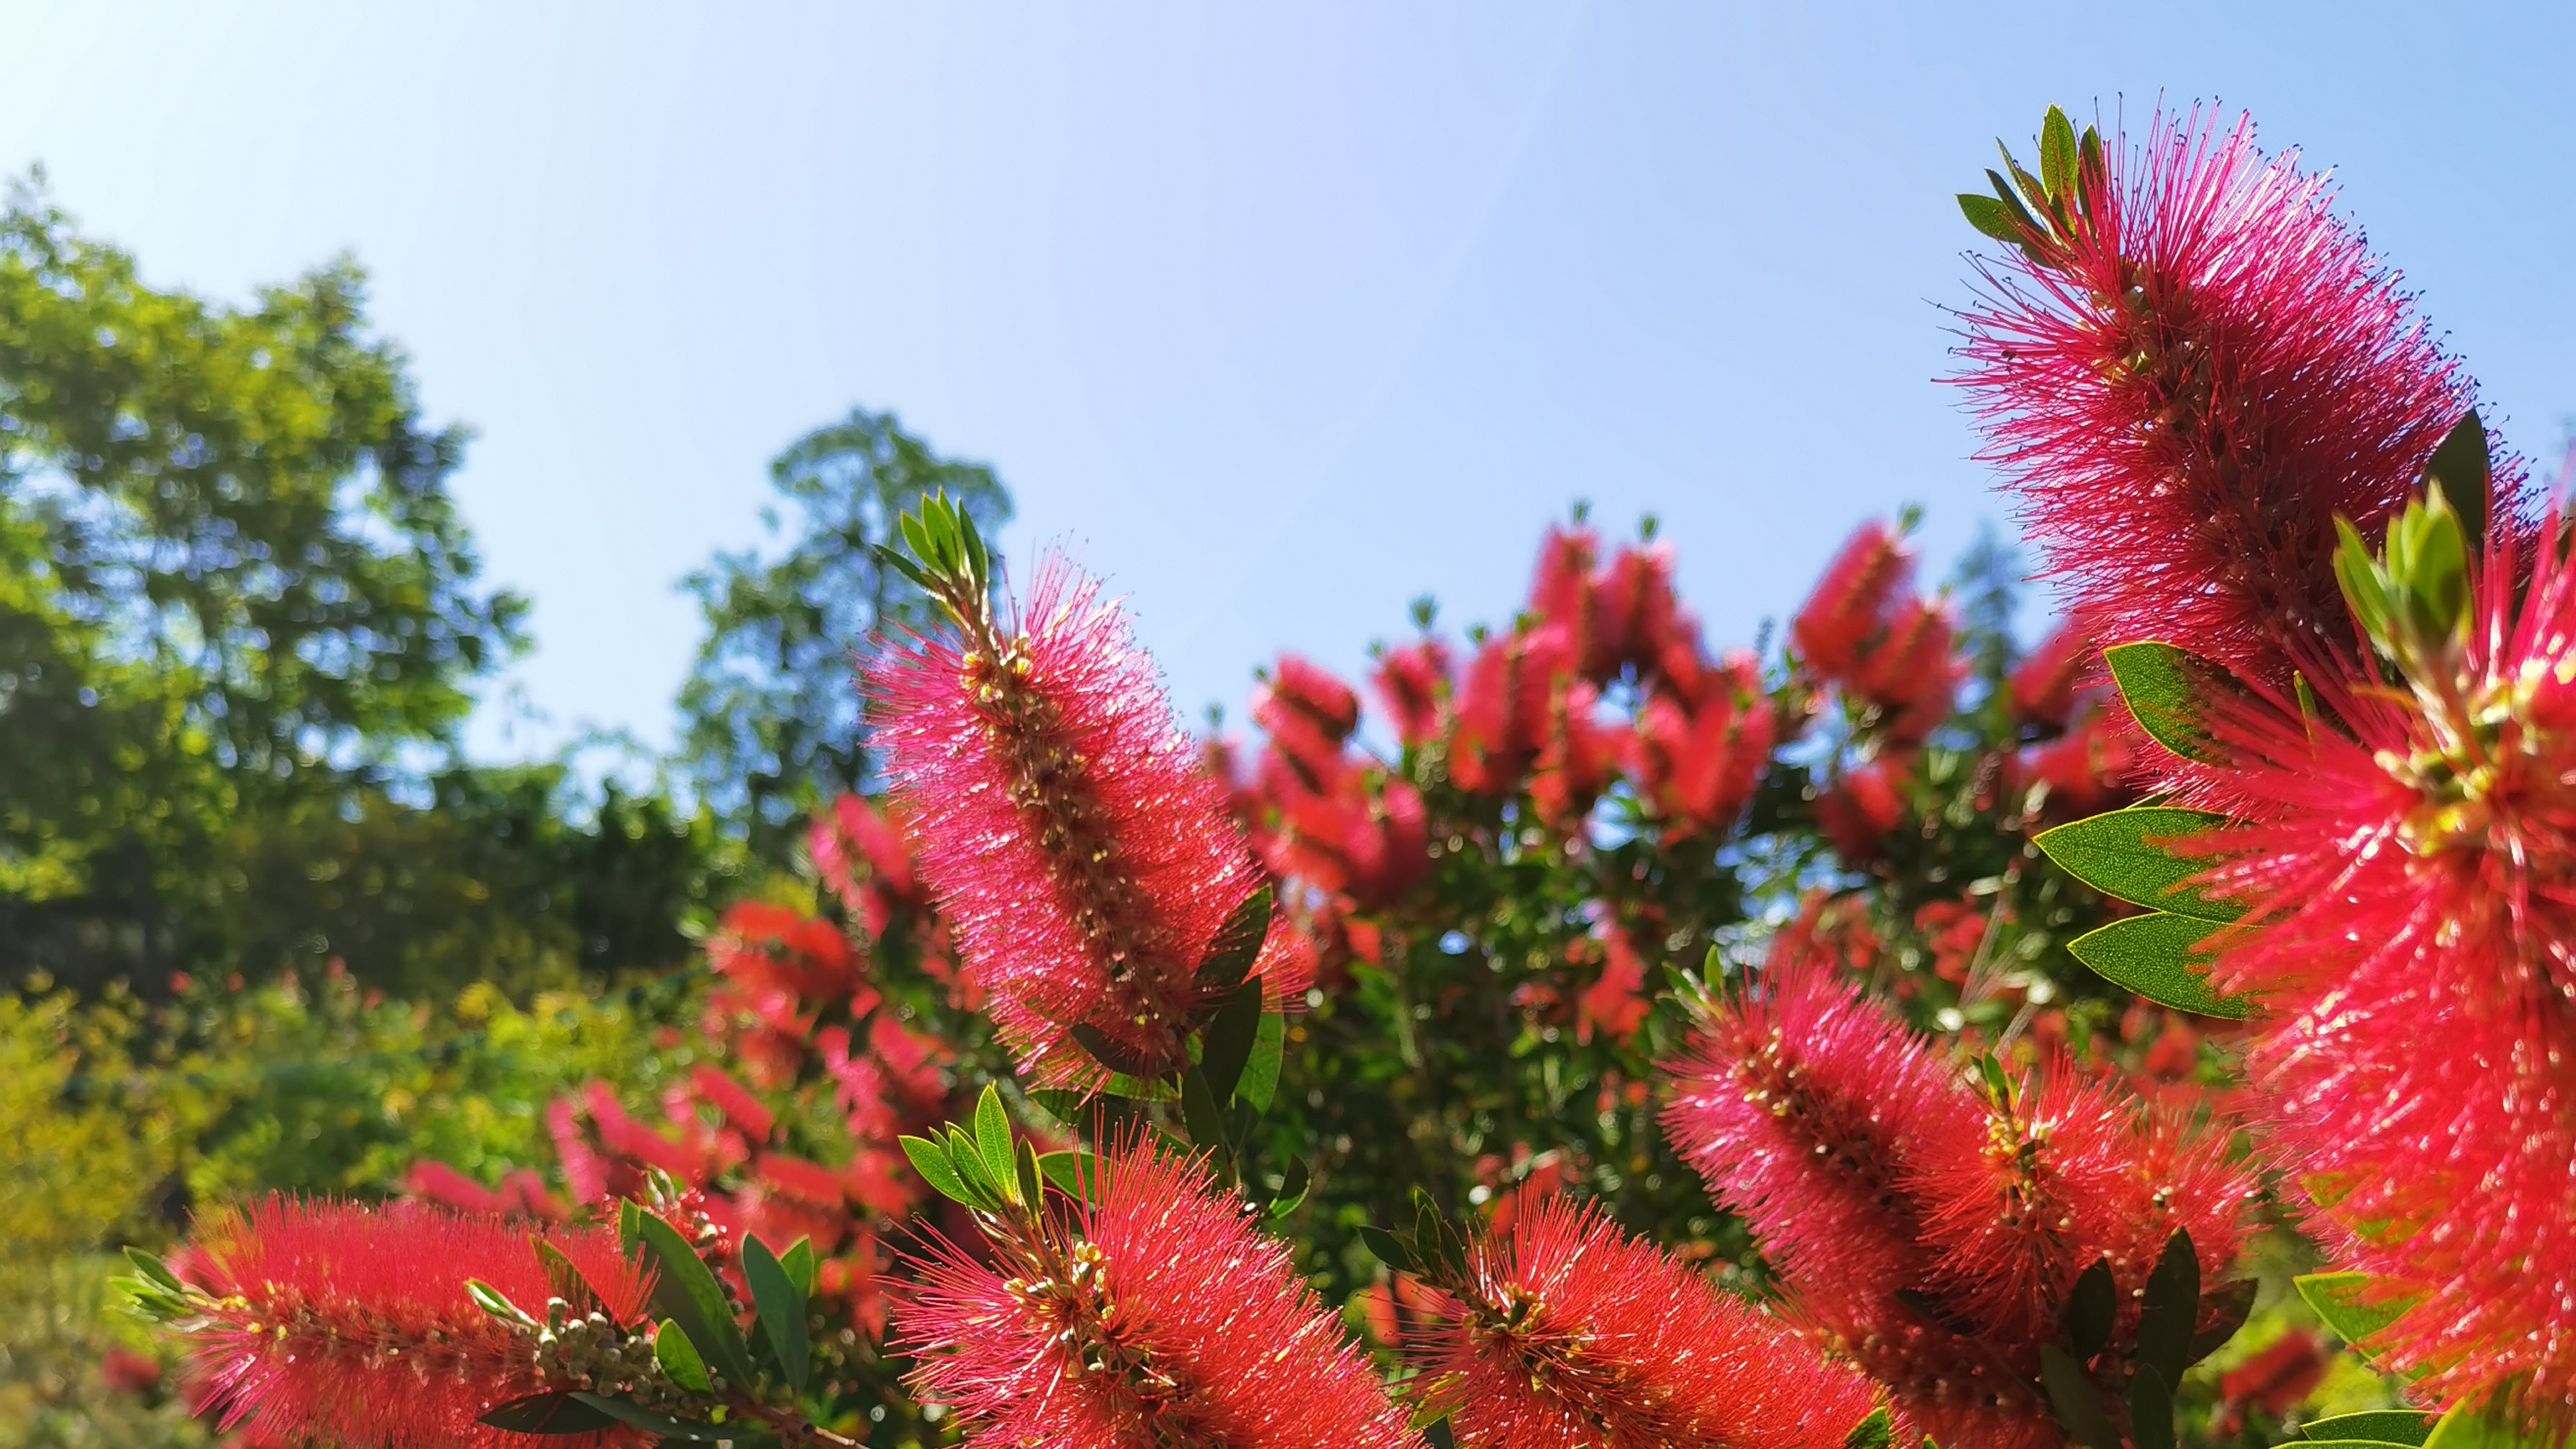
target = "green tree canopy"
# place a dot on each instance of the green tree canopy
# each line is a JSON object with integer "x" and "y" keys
{"x": 771, "y": 715}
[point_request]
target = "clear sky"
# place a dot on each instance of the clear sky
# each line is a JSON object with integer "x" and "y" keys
{"x": 1279, "y": 315}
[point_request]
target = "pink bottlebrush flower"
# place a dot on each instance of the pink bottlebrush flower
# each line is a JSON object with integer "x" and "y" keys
{"x": 336, "y": 1323}
{"x": 2411, "y": 893}
{"x": 1368, "y": 847}
{"x": 860, "y": 853}
{"x": 128, "y": 1372}
{"x": 1636, "y": 618}
{"x": 2189, "y": 388}
{"x": 2043, "y": 684}
{"x": 433, "y": 1181}
{"x": 1300, "y": 688}
{"x": 1616, "y": 1004}
{"x": 1850, "y": 604}
{"x": 1569, "y": 1334}
{"x": 1561, "y": 588}
{"x": 1083, "y": 859}
{"x": 1574, "y": 763}
{"x": 1412, "y": 679}
{"x": 2083, "y": 768}
{"x": 2278, "y": 1377}
{"x": 1158, "y": 1314}
{"x": 733, "y": 1099}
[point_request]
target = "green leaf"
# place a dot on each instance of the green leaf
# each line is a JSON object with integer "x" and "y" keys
{"x": 2473, "y": 1426}
{"x": 1988, "y": 215}
{"x": 626, "y": 1411}
{"x": 2150, "y": 1409}
{"x": 1237, "y": 944}
{"x": 2383, "y": 1426}
{"x": 2462, "y": 468}
{"x": 781, "y": 1309}
{"x": 1439, "y": 1435}
{"x": 993, "y": 1140}
{"x": 1075, "y": 1174}
{"x": 2234, "y": 1301}
{"x": 564, "y": 1276}
{"x": 2171, "y": 1309}
{"x": 2150, "y": 955}
{"x": 679, "y": 1359}
{"x": 1293, "y": 1182}
{"x": 2057, "y": 155}
{"x": 1110, "y": 1052}
{"x": 2070, "y": 1393}
{"x": 155, "y": 1271}
{"x": 2090, "y": 1310}
{"x": 2348, "y": 1304}
{"x": 1201, "y": 1112}
{"x": 685, "y": 1291}
{"x": 1260, "y": 1079}
{"x": 2027, "y": 225}
{"x": 1878, "y": 1431}
{"x": 930, "y": 1159}
{"x": 491, "y": 1300}
{"x": 966, "y": 1159}
{"x": 1389, "y": 1249}
{"x": 630, "y": 1230}
{"x": 798, "y": 1260}
{"x": 552, "y": 1413}
{"x": 2118, "y": 854}
{"x": 2169, "y": 690}
{"x": 2091, "y": 169}
{"x": 1227, "y": 1040}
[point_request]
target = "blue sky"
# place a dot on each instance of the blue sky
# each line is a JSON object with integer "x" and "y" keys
{"x": 1277, "y": 315}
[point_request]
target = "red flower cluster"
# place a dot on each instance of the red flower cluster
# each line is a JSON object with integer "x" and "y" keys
{"x": 1569, "y": 1333}
{"x": 1889, "y": 650}
{"x": 334, "y": 1323}
{"x": 1931, "y": 1234}
{"x": 1082, "y": 857}
{"x": 1155, "y": 1314}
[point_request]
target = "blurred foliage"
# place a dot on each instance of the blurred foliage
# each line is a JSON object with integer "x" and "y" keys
{"x": 771, "y": 725}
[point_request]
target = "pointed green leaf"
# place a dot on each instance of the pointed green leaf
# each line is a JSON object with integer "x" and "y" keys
{"x": 1988, "y": 216}
{"x": 2121, "y": 853}
{"x": 1110, "y": 1052}
{"x": 1226, "y": 1042}
{"x": 1293, "y": 1183}
{"x": 2171, "y": 1309}
{"x": 1238, "y": 942}
{"x": 2169, "y": 691}
{"x": 551, "y": 1413}
{"x": 798, "y": 1260}
{"x": 2477, "y": 1427}
{"x": 1388, "y": 1248}
{"x": 2057, "y": 154}
{"x": 2071, "y": 1394}
{"x": 2462, "y": 468}
{"x": 626, "y": 1411}
{"x": 685, "y": 1291}
{"x": 491, "y": 1300}
{"x": 2233, "y": 1301}
{"x": 1439, "y": 1435}
{"x": 2379, "y": 1426}
{"x": 993, "y": 1140}
{"x": 679, "y": 1358}
{"x": 1877, "y": 1431}
{"x": 1201, "y": 1113}
{"x": 2350, "y": 1305}
{"x": 566, "y": 1279}
{"x": 2150, "y": 1410}
{"x": 1260, "y": 1079}
{"x": 2151, "y": 955}
{"x": 630, "y": 1218}
{"x": 1075, "y": 1174}
{"x": 782, "y": 1311}
{"x": 930, "y": 1159}
{"x": 155, "y": 1270}
{"x": 2026, "y": 224}
{"x": 2090, "y": 1309}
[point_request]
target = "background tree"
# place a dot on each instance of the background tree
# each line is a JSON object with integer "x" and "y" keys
{"x": 771, "y": 715}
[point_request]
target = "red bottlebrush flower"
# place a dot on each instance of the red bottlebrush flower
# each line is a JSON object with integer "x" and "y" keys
{"x": 2043, "y": 683}
{"x": 1574, "y": 764}
{"x": 734, "y": 1100}
{"x": 1910, "y": 674}
{"x": 2189, "y": 391}
{"x": 2082, "y": 768}
{"x": 1412, "y": 679}
{"x": 1862, "y": 809}
{"x": 1698, "y": 766}
{"x": 860, "y": 853}
{"x": 1616, "y": 1002}
{"x": 2278, "y": 1377}
{"x": 1569, "y": 1334}
{"x": 1369, "y": 848}
{"x": 128, "y": 1372}
{"x": 2411, "y": 894}
{"x": 1932, "y": 1236}
{"x": 341, "y": 1324}
{"x": 1308, "y": 714}
{"x": 1636, "y": 619}
{"x": 437, "y": 1182}
{"x": 1083, "y": 859}
{"x": 1157, "y": 1314}
{"x": 1851, "y": 601}
{"x": 1503, "y": 712}
{"x": 1561, "y": 588}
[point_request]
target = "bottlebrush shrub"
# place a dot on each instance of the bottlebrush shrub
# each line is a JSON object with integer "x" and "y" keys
{"x": 2363, "y": 686}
